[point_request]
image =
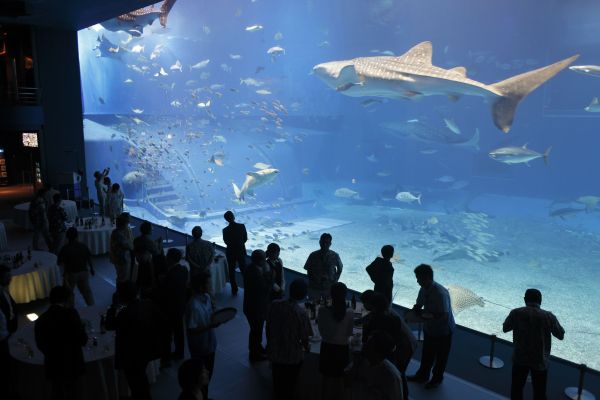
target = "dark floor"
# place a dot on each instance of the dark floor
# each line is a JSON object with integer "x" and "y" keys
{"x": 234, "y": 376}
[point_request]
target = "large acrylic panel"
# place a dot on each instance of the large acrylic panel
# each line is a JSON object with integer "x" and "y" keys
{"x": 377, "y": 151}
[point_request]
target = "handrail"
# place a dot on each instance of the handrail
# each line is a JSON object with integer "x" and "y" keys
{"x": 20, "y": 96}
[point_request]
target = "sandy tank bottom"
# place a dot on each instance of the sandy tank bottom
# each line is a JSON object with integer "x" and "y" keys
{"x": 490, "y": 260}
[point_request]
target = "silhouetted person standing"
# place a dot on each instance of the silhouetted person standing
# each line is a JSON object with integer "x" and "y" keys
{"x": 199, "y": 253}
{"x": 433, "y": 305}
{"x": 75, "y": 257}
{"x": 60, "y": 336}
{"x": 276, "y": 266}
{"x": 175, "y": 297}
{"x": 383, "y": 318}
{"x": 38, "y": 216}
{"x": 288, "y": 332}
{"x": 147, "y": 251}
{"x": 381, "y": 272}
{"x": 140, "y": 336}
{"x": 235, "y": 238}
{"x": 100, "y": 189}
{"x": 120, "y": 250}
{"x": 258, "y": 282}
{"x": 57, "y": 223}
{"x": 532, "y": 328}
{"x": 202, "y": 341}
{"x": 323, "y": 268}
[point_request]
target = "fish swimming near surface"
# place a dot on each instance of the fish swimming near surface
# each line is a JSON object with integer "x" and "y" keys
{"x": 251, "y": 82}
{"x": 518, "y": 155}
{"x": 592, "y": 70}
{"x": 254, "y": 180}
{"x": 200, "y": 64}
{"x": 408, "y": 197}
{"x": 594, "y": 106}
{"x": 260, "y": 165}
{"x": 138, "y": 48}
{"x": 177, "y": 66}
{"x": 412, "y": 75}
{"x": 134, "y": 21}
{"x": 275, "y": 51}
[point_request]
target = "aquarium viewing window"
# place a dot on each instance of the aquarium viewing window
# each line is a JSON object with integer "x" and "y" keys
{"x": 461, "y": 134}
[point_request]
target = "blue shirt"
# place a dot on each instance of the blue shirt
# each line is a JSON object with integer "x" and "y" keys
{"x": 436, "y": 300}
{"x": 197, "y": 315}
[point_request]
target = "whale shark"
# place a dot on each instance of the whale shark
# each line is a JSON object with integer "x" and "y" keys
{"x": 412, "y": 75}
{"x": 253, "y": 180}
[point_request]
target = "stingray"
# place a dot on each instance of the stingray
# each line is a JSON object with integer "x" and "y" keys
{"x": 462, "y": 298}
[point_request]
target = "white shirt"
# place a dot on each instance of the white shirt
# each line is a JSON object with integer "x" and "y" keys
{"x": 334, "y": 331}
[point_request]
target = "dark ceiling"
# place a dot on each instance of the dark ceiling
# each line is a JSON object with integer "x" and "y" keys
{"x": 68, "y": 14}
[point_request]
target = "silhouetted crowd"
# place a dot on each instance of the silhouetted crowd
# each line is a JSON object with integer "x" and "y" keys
{"x": 364, "y": 346}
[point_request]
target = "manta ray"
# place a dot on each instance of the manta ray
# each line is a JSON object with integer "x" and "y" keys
{"x": 412, "y": 75}
{"x": 462, "y": 298}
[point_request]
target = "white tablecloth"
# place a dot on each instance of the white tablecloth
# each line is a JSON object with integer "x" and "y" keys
{"x": 218, "y": 270}
{"x": 70, "y": 208}
{"x": 100, "y": 380}
{"x": 96, "y": 239}
{"x": 21, "y": 213}
{"x": 30, "y": 283}
{"x": 3, "y": 239}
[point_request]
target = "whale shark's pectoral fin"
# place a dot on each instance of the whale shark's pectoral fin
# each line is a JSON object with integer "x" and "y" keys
{"x": 419, "y": 55}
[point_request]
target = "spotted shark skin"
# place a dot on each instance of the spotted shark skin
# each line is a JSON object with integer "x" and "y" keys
{"x": 412, "y": 75}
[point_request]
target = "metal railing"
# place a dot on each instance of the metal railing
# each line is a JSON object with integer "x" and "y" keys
{"x": 27, "y": 96}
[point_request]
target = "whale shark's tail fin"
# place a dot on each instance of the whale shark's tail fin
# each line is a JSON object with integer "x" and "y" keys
{"x": 514, "y": 89}
{"x": 238, "y": 193}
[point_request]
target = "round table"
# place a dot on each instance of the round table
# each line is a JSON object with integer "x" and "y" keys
{"x": 101, "y": 381}
{"x": 21, "y": 213}
{"x": 30, "y": 282}
{"x": 96, "y": 239}
{"x": 218, "y": 270}
{"x": 3, "y": 240}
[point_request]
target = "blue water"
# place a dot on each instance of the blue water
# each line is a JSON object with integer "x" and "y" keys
{"x": 190, "y": 133}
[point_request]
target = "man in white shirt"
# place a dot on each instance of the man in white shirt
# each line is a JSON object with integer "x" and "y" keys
{"x": 323, "y": 268}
